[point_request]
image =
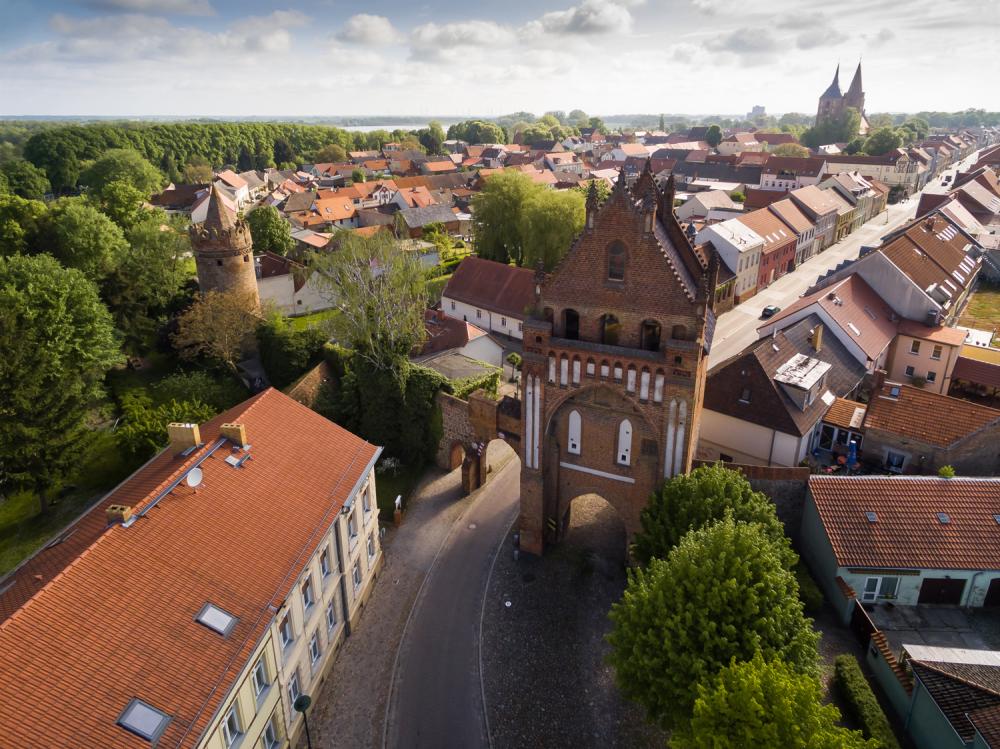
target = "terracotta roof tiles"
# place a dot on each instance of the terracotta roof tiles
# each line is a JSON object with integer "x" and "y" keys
{"x": 929, "y": 417}
{"x": 491, "y": 285}
{"x": 906, "y": 533}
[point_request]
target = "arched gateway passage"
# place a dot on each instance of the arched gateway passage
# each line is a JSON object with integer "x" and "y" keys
{"x": 593, "y": 526}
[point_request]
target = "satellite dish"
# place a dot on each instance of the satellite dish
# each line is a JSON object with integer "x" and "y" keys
{"x": 193, "y": 478}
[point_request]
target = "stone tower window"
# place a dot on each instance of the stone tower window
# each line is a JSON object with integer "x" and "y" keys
{"x": 616, "y": 261}
{"x": 571, "y": 324}
{"x": 625, "y": 443}
{"x": 573, "y": 441}
{"x": 610, "y": 328}
{"x": 650, "y": 335}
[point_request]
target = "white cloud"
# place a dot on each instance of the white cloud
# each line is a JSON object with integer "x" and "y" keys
{"x": 708, "y": 7}
{"x": 820, "y": 37}
{"x": 160, "y": 7}
{"x": 589, "y": 17}
{"x": 369, "y": 30}
{"x": 438, "y": 41}
{"x": 744, "y": 41}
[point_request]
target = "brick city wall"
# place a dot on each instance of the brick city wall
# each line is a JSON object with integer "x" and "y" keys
{"x": 457, "y": 427}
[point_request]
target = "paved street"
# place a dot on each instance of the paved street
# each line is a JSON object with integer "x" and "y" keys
{"x": 436, "y": 700}
{"x": 738, "y": 327}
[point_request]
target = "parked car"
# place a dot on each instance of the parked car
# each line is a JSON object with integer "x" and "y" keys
{"x": 770, "y": 311}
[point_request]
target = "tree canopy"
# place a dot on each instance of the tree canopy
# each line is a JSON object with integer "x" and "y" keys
{"x": 25, "y": 180}
{"x": 82, "y": 237}
{"x": 381, "y": 296}
{"x": 219, "y": 326}
{"x": 270, "y": 232}
{"x": 477, "y": 131}
{"x": 330, "y": 153}
{"x": 764, "y": 704}
{"x": 691, "y": 501}
{"x": 550, "y": 221}
{"x": 792, "y": 149}
{"x": 124, "y": 165}
{"x": 58, "y": 341}
{"x": 724, "y": 592}
{"x": 713, "y": 136}
{"x": 841, "y": 128}
{"x": 882, "y": 141}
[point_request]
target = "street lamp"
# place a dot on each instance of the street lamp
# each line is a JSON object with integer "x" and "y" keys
{"x": 302, "y": 703}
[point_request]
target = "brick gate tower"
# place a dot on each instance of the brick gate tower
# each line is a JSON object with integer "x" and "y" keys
{"x": 615, "y": 356}
{"x": 223, "y": 251}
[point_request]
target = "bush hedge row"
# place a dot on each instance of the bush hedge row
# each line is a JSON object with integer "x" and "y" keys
{"x": 861, "y": 702}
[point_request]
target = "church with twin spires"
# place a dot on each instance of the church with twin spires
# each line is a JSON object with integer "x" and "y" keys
{"x": 832, "y": 103}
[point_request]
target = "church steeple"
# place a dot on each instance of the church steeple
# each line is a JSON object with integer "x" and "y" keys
{"x": 855, "y": 96}
{"x": 833, "y": 91}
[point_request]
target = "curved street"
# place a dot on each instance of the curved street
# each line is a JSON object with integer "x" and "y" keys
{"x": 436, "y": 698}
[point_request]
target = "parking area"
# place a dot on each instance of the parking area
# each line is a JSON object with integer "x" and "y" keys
{"x": 942, "y": 626}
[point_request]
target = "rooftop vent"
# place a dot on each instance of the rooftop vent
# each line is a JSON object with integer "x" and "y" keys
{"x": 943, "y": 518}
{"x": 143, "y": 720}
{"x": 216, "y": 619}
{"x": 872, "y": 517}
{"x": 997, "y": 519}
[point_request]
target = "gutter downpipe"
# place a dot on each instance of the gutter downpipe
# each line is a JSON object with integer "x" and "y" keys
{"x": 343, "y": 580}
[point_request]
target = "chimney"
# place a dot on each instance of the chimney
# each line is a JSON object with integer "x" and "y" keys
{"x": 235, "y": 433}
{"x": 440, "y": 314}
{"x": 183, "y": 436}
{"x": 119, "y": 514}
{"x": 816, "y": 338}
{"x": 879, "y": 380}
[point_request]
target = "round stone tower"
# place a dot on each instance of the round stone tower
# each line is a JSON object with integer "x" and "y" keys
{"x": 223, "y": 251}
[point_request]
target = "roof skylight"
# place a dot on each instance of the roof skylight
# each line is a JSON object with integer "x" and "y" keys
{"x": 943, "y": 518}
{"x": 872, "y": 517}
{"x": 143, "y": 720}
{"x": 216, "y": 619}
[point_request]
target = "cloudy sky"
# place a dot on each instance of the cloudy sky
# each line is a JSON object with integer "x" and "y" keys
{"x": 444, "y": 57}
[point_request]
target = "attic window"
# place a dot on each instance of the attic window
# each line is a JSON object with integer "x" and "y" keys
{"x": 143, "y": 720}
{"x": 872, "y": 517}
{"x": 216, "y": 619}
{"x": 943, "y": 518}
{"x": 745, "y": 395}
{"x": 894, "y": 391}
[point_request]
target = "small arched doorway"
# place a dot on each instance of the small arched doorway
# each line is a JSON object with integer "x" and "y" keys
{"x": 456, "y": 456}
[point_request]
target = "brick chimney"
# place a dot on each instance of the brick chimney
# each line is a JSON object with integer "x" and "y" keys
{"x": 879, "y": 381}
{"x": 183, "y": 436}
{"x": 235, "y": 433}
{"x": 816, "y": 337}
{"x": 119, "y": 514}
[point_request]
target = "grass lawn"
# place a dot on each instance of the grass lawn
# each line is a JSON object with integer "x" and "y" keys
{"x": 388, "y": 487}
{"x": 983, "y": 310}
{"x": 23, "y": 530}
{"x": 307, "y": 321}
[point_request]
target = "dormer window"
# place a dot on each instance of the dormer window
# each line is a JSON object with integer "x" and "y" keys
{"x": 745, "y": 395}
{"x": 616, "y": 261}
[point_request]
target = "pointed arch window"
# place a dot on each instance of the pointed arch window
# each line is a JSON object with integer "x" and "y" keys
{"x": 616, "y": 261}
{"x": 624, "y": 456}
{"x": 574, "y": 433}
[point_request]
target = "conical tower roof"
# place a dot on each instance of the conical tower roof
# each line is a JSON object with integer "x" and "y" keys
{"x": 833, "y": 92}
{"x": 855, "y": 90}
{"x": 219, "y": 215}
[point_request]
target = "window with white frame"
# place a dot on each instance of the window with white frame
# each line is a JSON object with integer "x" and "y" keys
{"x": 625, "y": 442}
{"x": 314, "y": 649}
{"x": 294, "y": 692}
{"x": 260, "y": 679}
{"x": 352, "y": 525}
{"x": 366, "y": 500}
{"x": 880, "y": 589}
{"x": 285, "y": 631}
{"x": 931, "y": 376}
{"x": 232, "y": 729}
{"x": 936, "y": 352}
{"x": 324, "y": 563}
{"x": 356, "y": 574}
{"x": 271, "y": 734}
{"x": 910, "y": 371}
{"x": 914, "y": 347}
{"x": 331, "y": 616}
{"x": 307, "y": 593}
{"x": 371, "y": 546}
{"x": 574, "y": 429}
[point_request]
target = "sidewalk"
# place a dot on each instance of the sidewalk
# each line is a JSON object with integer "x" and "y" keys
{"x": 350, "y": 706}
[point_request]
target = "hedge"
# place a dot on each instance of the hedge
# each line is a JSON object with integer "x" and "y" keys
{"x": 287, "y": 353}
{"x": 435, "y": 287}
{"x": 490, "y": 382}
{"x": 809, "y": 592}
{"x": 862, "y": 705}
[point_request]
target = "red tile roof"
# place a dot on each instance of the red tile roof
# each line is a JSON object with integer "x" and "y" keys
{"x": 444, "y": 333}
{"x": 117, "y": 620}
{"x": 492, "y": 286}
{"x": 929, "y": 417}
{"x": 845, "y": 413}
{"x": 906, "y": 533}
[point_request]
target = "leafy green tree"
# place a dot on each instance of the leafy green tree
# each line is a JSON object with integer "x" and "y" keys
{"x": 358, "y": 175}
{"x": 550, "y": 221}
{"x": 121, "y": 202}
{"x": 603, "y": 189}
{"x": 882, "y": 141}
{"x": 477, "y": 131}
{"x": 197, "y": 172}
{"x": 148, "y": 278}
{"x": 143, "y": 432}
{"x": 218, "y": 326}
{"x": 197, "y": 384}
{"x": 691, "y": 501}
{"x": 58, "y": 342}
{"x": 270, "y": 232}
{"x": 244, "y": 163}
{"x": 126, "y": 165}
{"x": 598, "y": 124}
{"x": 381, "y": 296}
{"x": 283, "y": 152}
{"x": 792, "y": 149}
{"x": 285, "y": 352}
{"x": 81, "y": 237}
{"x": 724, "y": 592}
{"x": 762, "y": 703}
{"x": 25, "y": 180}
{"x": 19, "y": 223}
{"x": 663, "y": 124}
{"x": 432, "y": 137}
{"x": 331, "y": 153}
{"x": 4, "y": 184}
{"x": 497, "y": 212}
{"x": 713, "y": 136}
{"x": 855, "y": 146}
{"x": 843, "y": 128}
{"x": 63, "y": 169}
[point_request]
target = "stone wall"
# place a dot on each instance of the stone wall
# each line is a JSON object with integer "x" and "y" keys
{"x": 457, "y": 428}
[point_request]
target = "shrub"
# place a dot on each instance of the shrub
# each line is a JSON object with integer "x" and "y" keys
{"x": 860, "y": 701}
{"x": 435, "y": 287}
{"x": 287, "y": 353}
{"x": 145, "y": 429}
{"x": 489, "y": 382}
{"x": 946, "y": 472}
{"x": 809, "y": 592}
{"x": 219, "y": 393}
